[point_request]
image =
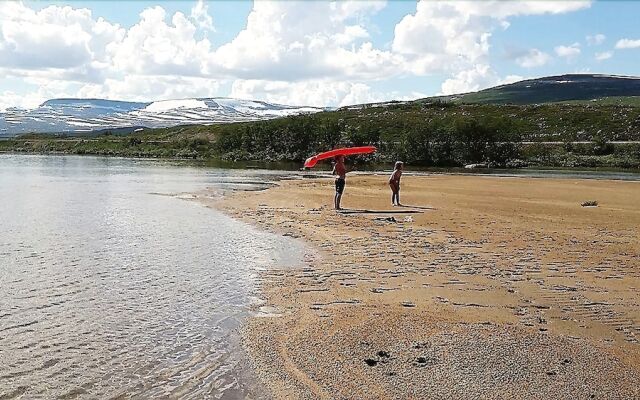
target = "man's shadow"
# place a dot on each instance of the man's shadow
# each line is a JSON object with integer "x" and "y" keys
{"x": 364, "y": 211}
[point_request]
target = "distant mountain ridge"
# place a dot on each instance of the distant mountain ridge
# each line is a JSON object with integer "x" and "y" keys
{"x": 553, "y": 89}
{"x": 97, "y": 115}
{"x": 93, "y": 116}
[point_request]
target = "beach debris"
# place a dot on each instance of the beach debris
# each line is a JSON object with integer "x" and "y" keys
{"x": 408, "y": 218}
{"x": 382, "y": 289}
{"x": 371, "y": 362}
{"x": 382, "y": 357}
{"x": 408, "y": 304}
{"x": 441, "y": 299}
{"x": 385, "y": 219}
{"x": 476, "y": 166}
{"x": 590, "y": 203}
{"x": 469, "y": 305}
{"x": 383, "y": 354}
{"x": 424, "y": 361}
{"x": 317, "y": 289}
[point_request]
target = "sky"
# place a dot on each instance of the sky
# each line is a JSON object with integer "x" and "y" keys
{"x": 317, "y": 53}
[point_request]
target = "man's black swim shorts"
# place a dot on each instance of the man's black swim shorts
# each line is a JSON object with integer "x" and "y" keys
{"x": 340, "y": 182}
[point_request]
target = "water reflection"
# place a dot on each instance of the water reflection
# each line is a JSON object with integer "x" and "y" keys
{"x": 107, "y": 289}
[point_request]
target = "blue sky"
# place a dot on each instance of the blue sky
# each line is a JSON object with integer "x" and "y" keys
{"x": 303, "y": 53}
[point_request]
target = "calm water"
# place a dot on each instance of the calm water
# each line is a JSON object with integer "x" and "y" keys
{"x": 110, "y": 288}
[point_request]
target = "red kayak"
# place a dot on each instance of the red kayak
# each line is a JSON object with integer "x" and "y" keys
{"x": 345, "y": 151}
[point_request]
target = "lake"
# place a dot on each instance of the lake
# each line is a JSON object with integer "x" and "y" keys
{"x": 113, "y": 285}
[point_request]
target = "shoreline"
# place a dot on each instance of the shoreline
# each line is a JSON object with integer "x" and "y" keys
{"x": 545, "y": 171}
{"x": 487, "y": 277}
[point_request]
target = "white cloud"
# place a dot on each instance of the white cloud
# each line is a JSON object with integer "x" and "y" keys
{"x": 595, "y": 40}
{"x": 533, "y": 58}
{"x": 311, "y": 93}
{"x": 10, "y": 99}
{"x": 605, "y": 55}
{"x": 439, "y": 36}
{"x": 153, "y": 47}
{"x": 317, "y": 53}
{"x": 628, "y": 44}
{"x": 341, "y": 10}
{"x": 568, "y": 52}
{"x": 350, "y": 34}
{"x": 37, "y": 91}
{"x": 150, "y": 87}
{"x": 55, "y": 38}
{"x": 454, "y": 35}
{"x": 479, "y": 77}
{"x": 468, "y": 81}
{"x": 200, "y": 14}
{"x": 503, "y": 9}
{"x": 292, "y": 40}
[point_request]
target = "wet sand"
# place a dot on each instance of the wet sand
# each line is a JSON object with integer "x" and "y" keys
{"x": 482, "y": 288}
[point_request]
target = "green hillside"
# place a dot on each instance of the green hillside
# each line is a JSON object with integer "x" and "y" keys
{"x": 420, "y": 133}
{"x": 553, "y": 89}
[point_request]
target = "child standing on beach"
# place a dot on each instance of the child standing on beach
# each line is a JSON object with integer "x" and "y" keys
{"x": 394, "y": 183}
{"x": 340, "y": 170}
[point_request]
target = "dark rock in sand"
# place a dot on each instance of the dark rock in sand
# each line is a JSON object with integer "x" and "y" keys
{"x": 371, "y": 362}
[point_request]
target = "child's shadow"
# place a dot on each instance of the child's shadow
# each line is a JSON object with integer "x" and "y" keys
{"x": 418, "y": 207}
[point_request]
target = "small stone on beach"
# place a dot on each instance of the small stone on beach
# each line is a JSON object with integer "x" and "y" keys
{"x": 371, "y": 362}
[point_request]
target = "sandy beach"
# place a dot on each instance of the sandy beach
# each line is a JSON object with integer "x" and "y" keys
{"x": 481, "y": 287}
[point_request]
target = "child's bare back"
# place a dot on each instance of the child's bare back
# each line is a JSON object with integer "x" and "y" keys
{"x": 394, "y": 183}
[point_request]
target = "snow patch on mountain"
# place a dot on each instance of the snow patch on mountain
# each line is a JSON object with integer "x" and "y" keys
{"x": 159, "y": 106}
{"x": 82, "y": 115}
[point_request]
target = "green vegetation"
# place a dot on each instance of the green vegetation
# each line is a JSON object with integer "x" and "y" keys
{"x": 580, "y": 88}
{"x": 423, "y": 133}
{"x": 609, "y": 101}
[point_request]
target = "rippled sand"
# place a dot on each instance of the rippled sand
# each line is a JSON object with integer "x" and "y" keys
{"x": 483, "y": 288}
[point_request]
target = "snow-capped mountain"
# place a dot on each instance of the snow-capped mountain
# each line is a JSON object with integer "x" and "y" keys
{"x": 85, "y": 115}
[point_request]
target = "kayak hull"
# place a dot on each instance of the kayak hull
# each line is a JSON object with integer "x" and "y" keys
{"x": 345, "y": 151}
